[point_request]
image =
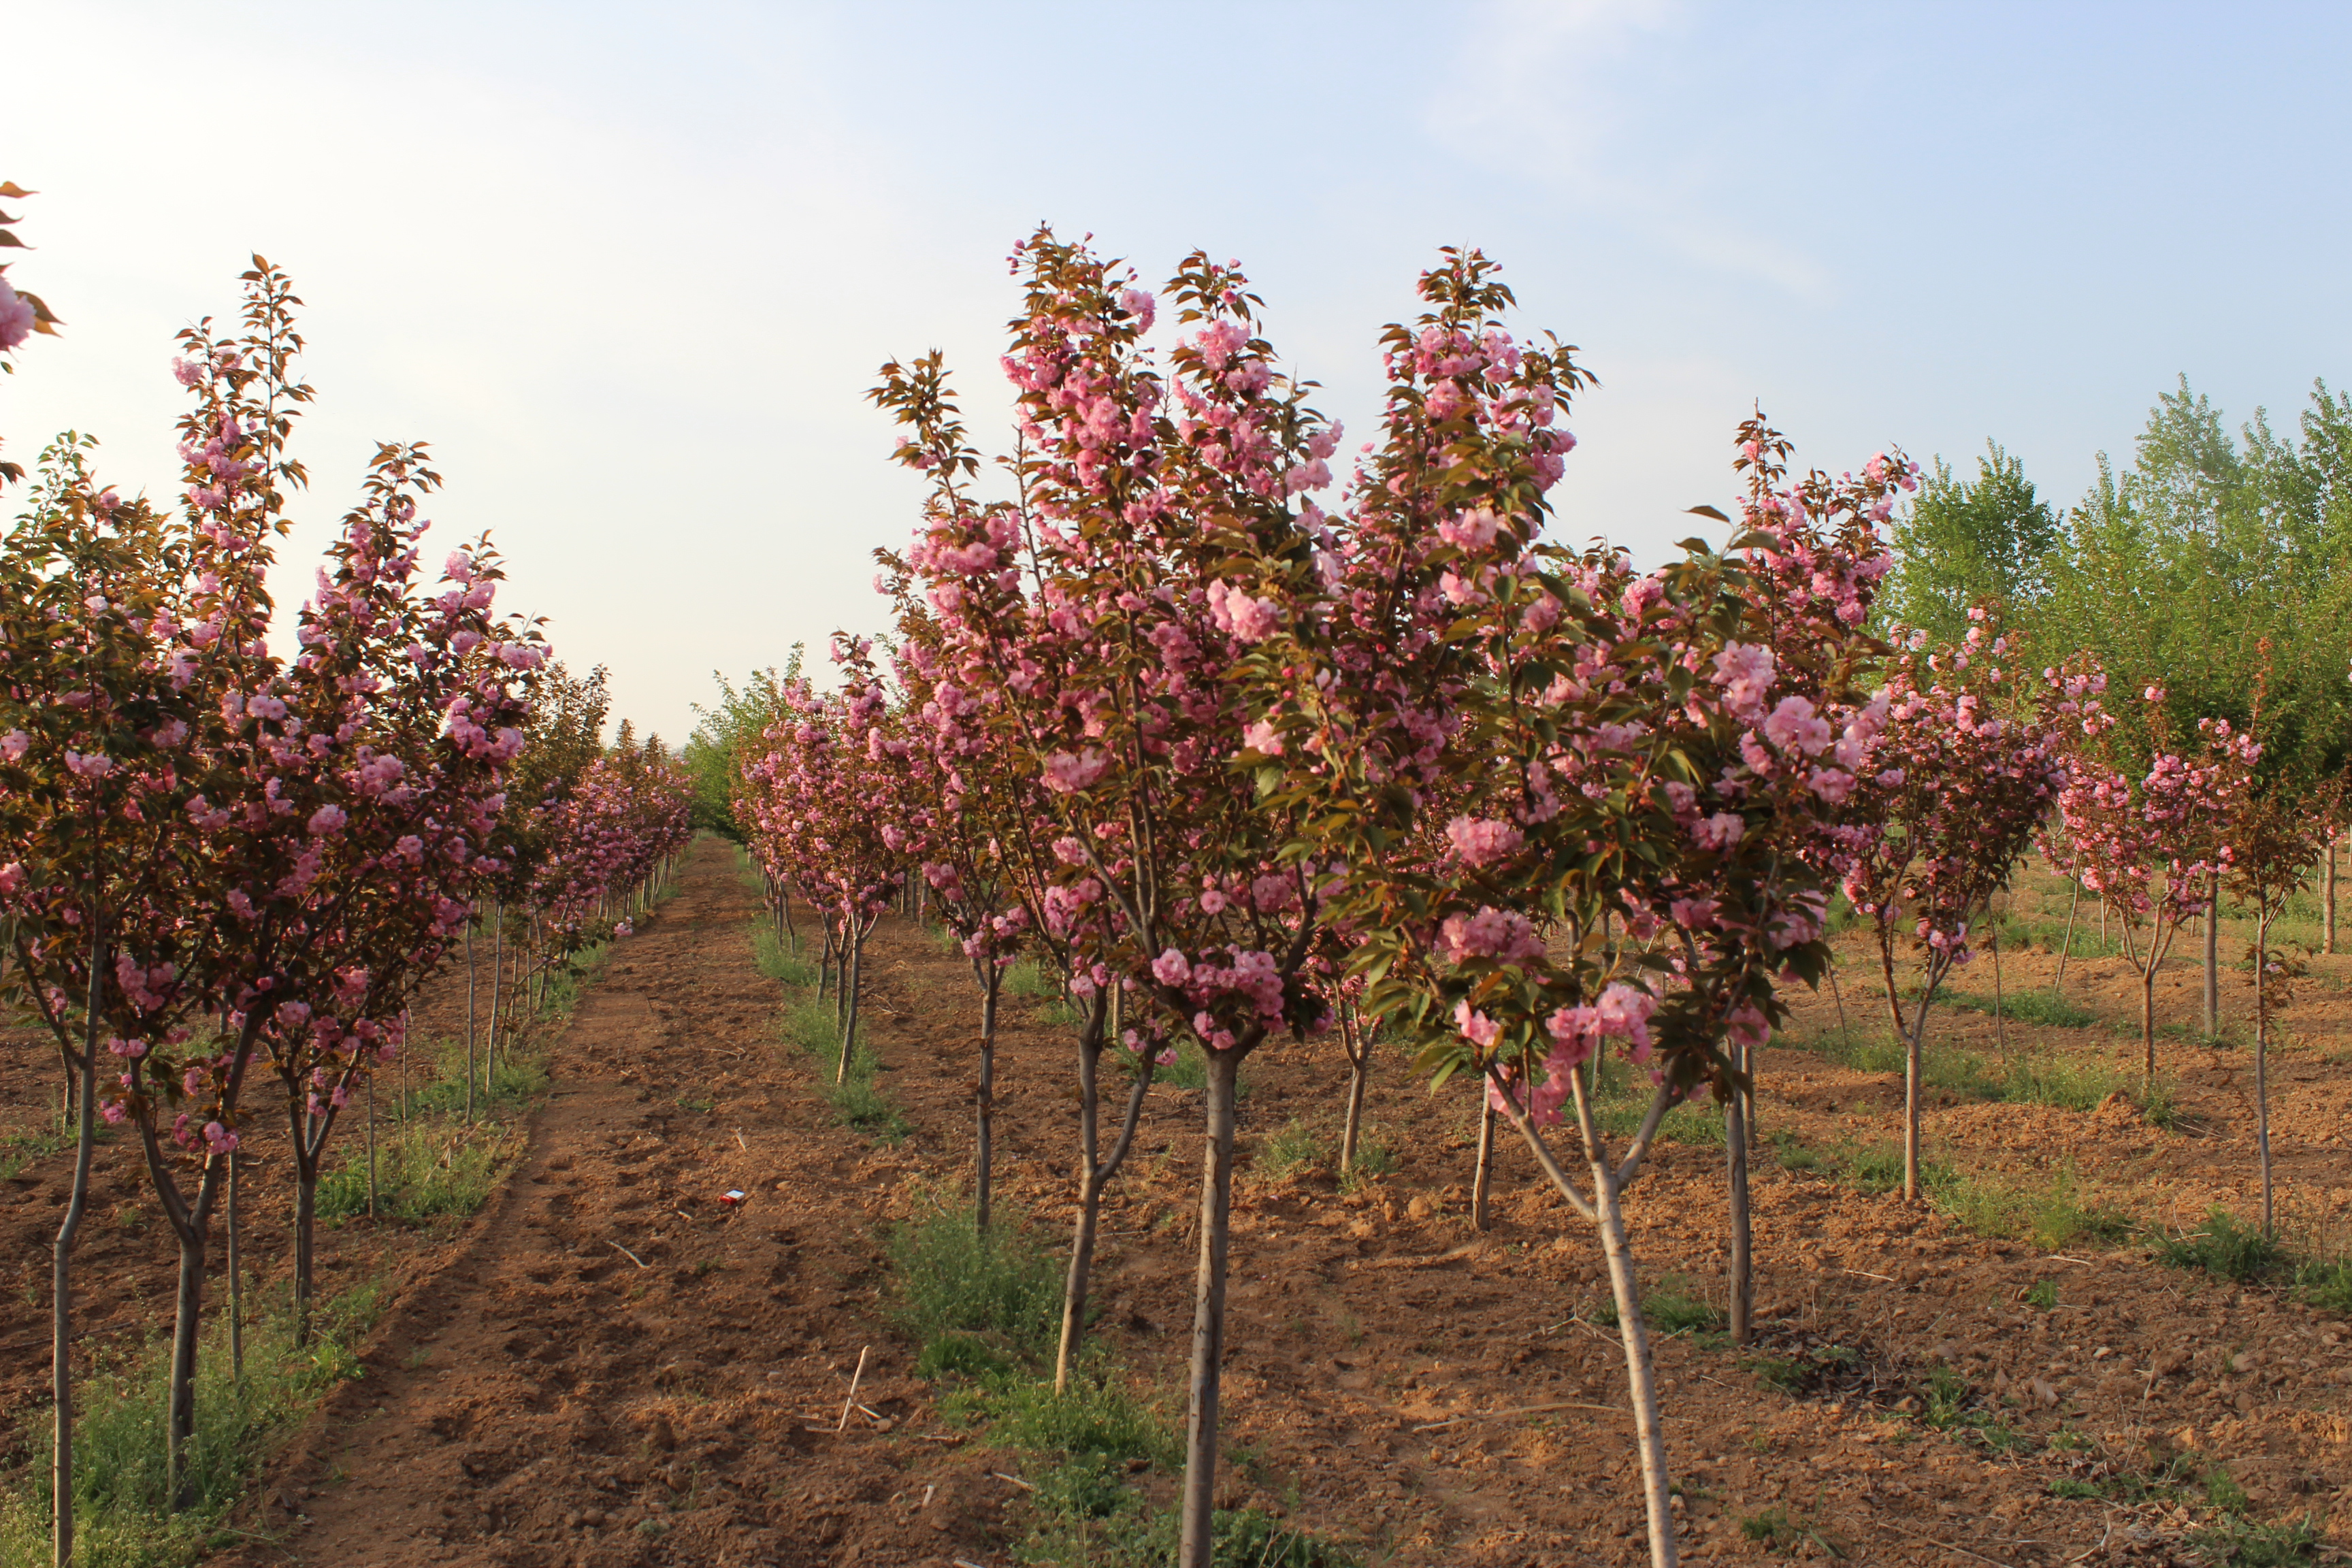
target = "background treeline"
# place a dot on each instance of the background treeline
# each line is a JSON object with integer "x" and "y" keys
{"x": 2176, "y": 570}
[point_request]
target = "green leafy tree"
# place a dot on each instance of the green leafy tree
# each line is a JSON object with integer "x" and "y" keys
{"x": 1965, "y": 541}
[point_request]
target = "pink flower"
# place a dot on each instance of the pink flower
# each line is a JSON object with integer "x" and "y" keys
{"x": 1794, "y": 726}
{"x": 1252, "y": 620}
{"x": 1480, "y": 841}
{"x": 1476, "y": 1027}
{"x": 1832, "y": 784}
{"x": 1624, "y": 1011}
{"x": 1143, "y": 305}
{"x": 14, "y": 745}
{"x": 1720, "y": 831}
{"x": 1264, "y": 737}
{"x": 16, "y": 318}
{"x": 1745, "y": 672}
{"x": 327, "y": 819}
{"x": 90, "y": 766}
{"x": 1067, "y": 774}
{"x": 1489, "y": 933}
{"x": 1171, "y": 968}
{"x": 1694, "y": 914}
{"x": 12, "y": 877}
{"x": 1473, "y": 530}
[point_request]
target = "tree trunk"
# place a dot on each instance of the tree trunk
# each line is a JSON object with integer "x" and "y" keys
{"x": 1649, "y": 1428}
{"x": 306, "y": 1208}
{"x": 61, "y": 1481}
{"x": 469, "y": 1021}
{"x": 497, "y": 995}
{"x": 983, "y": 1159}
{"x": 2327, "y": 900}
{"x": 1209, "y": 1313}
{"x": 1359, "y": 1048}
{"x": 1094, "y": 1178}
{"x": 2147, "y": 1017}
{"x": 856, "y": 945}
{"x": 1482, "y": 1180}
{"x": 371, "y": 1126}
{"x": 236, "y": 1274}
{"x": 1914, "y": 1048}
{"x": 2262, "y": 1070}
{"x": 1743, "y": 1283}
{"x": 2068, "y": 945}
{"x": 1999, "y": 1023}
{"x": 1886, "y": 968}
{"x": 2213, "y": 955}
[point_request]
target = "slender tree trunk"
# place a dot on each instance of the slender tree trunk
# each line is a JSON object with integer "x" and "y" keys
{"x": 306, "y": 1208}
{"x": 1094, "y": 1178}
{"x": 1914, "y": 1048}
{"x": 2068, "y": 945}
{"x": 370, "y": 1130}
{"x": 2213, "y": 955}
{"x": 1837, "y": 994}
{"x": 1743, "y": 1283}
{"x": 849, "y": 1011}
{"x": 1999, "y": 1020}
{"x": 61, "y": 1460}
{"x": 2262, "y": 1070}
{"x": 984, "y": 1096}
{"x": 469, "y": 1021}
{"x": 1649, "y": 1427}
{"x": 2327, "y": 900}
{"x": 2147, "y": 1017}
{"x": 1894, "y": 1001}
{"x": 498, "y": 993}
{"x": 1358, "y": 1044}
{"x": 1077, "y": 1282}
{"x": 192, "y": 1228}
{"x": 1482, "y": 1181}
{"x": 236, "y": 1271}
{"x": 1209, "y": 1313}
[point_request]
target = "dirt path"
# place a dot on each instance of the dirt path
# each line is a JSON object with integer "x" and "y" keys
{"x": 550, "y": 1398}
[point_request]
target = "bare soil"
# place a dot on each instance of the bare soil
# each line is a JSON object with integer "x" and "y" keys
{"x": 609, "y": 1366}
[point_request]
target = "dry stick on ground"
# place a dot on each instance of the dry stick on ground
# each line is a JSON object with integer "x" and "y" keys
{"x": 854, "y": 1378}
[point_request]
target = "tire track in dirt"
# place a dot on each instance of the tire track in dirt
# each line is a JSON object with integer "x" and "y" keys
{"x": 548, "y": 1398}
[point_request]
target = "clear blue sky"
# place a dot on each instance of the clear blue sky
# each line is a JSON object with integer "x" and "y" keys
{"x": 630, "y": 268}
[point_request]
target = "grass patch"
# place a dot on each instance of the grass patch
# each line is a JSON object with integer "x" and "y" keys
{"x": 1291, "y": 1148}
{"x": 1672, "y": 1305}
{"x": 121, "y": 1520}
{"x": 968, "y": 1290}
{"x": 1374, "y": 1159}
{"x": 2046, "y": 1008}
{"x": 809, "y": 1027}
{"x": 2225, "y": 1249}
{"x": 425, "y": 1170}
{"x": 2049, "y": 1216}
{"x": 2249, "y": 1543}
{"x": 778, "y": 962}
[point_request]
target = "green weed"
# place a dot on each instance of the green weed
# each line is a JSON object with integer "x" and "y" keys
{"x": 2224, "y": 1248}
{"x": 425, "y": 1170}
{"x": 2043, "y": 1007}
{"x": 2249, "y": 1543}
{"x": 120, "y": 1516}
{"x": 1671, "y": 1305}
{"x": 1292, "y": 1148}
{"x": 968, "y": 1290}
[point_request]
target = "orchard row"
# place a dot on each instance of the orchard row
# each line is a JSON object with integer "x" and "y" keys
{"x": 1233, "y": 760}
{"x": 225, "y": 871}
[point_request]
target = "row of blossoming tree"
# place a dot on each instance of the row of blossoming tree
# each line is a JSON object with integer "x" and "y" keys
{"x": 1233, "y": 762}
{"x": 224, "y": 866}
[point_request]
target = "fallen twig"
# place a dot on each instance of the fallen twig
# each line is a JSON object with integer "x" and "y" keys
{"x": 1939, "y": 1546}
{"x": 1420, "y": 1259}
{"x": 1015, "y": 1481}
{"x": 630, "y": 1256}
{"x": 1526, "y": 1410}
{"x": 851, "y": 1402}
{"x": 1866, "y": 1274}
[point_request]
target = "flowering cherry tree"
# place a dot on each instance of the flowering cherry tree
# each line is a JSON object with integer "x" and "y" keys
{"x": 1610, "y": 746}
{"x": 2149, "y": 843}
